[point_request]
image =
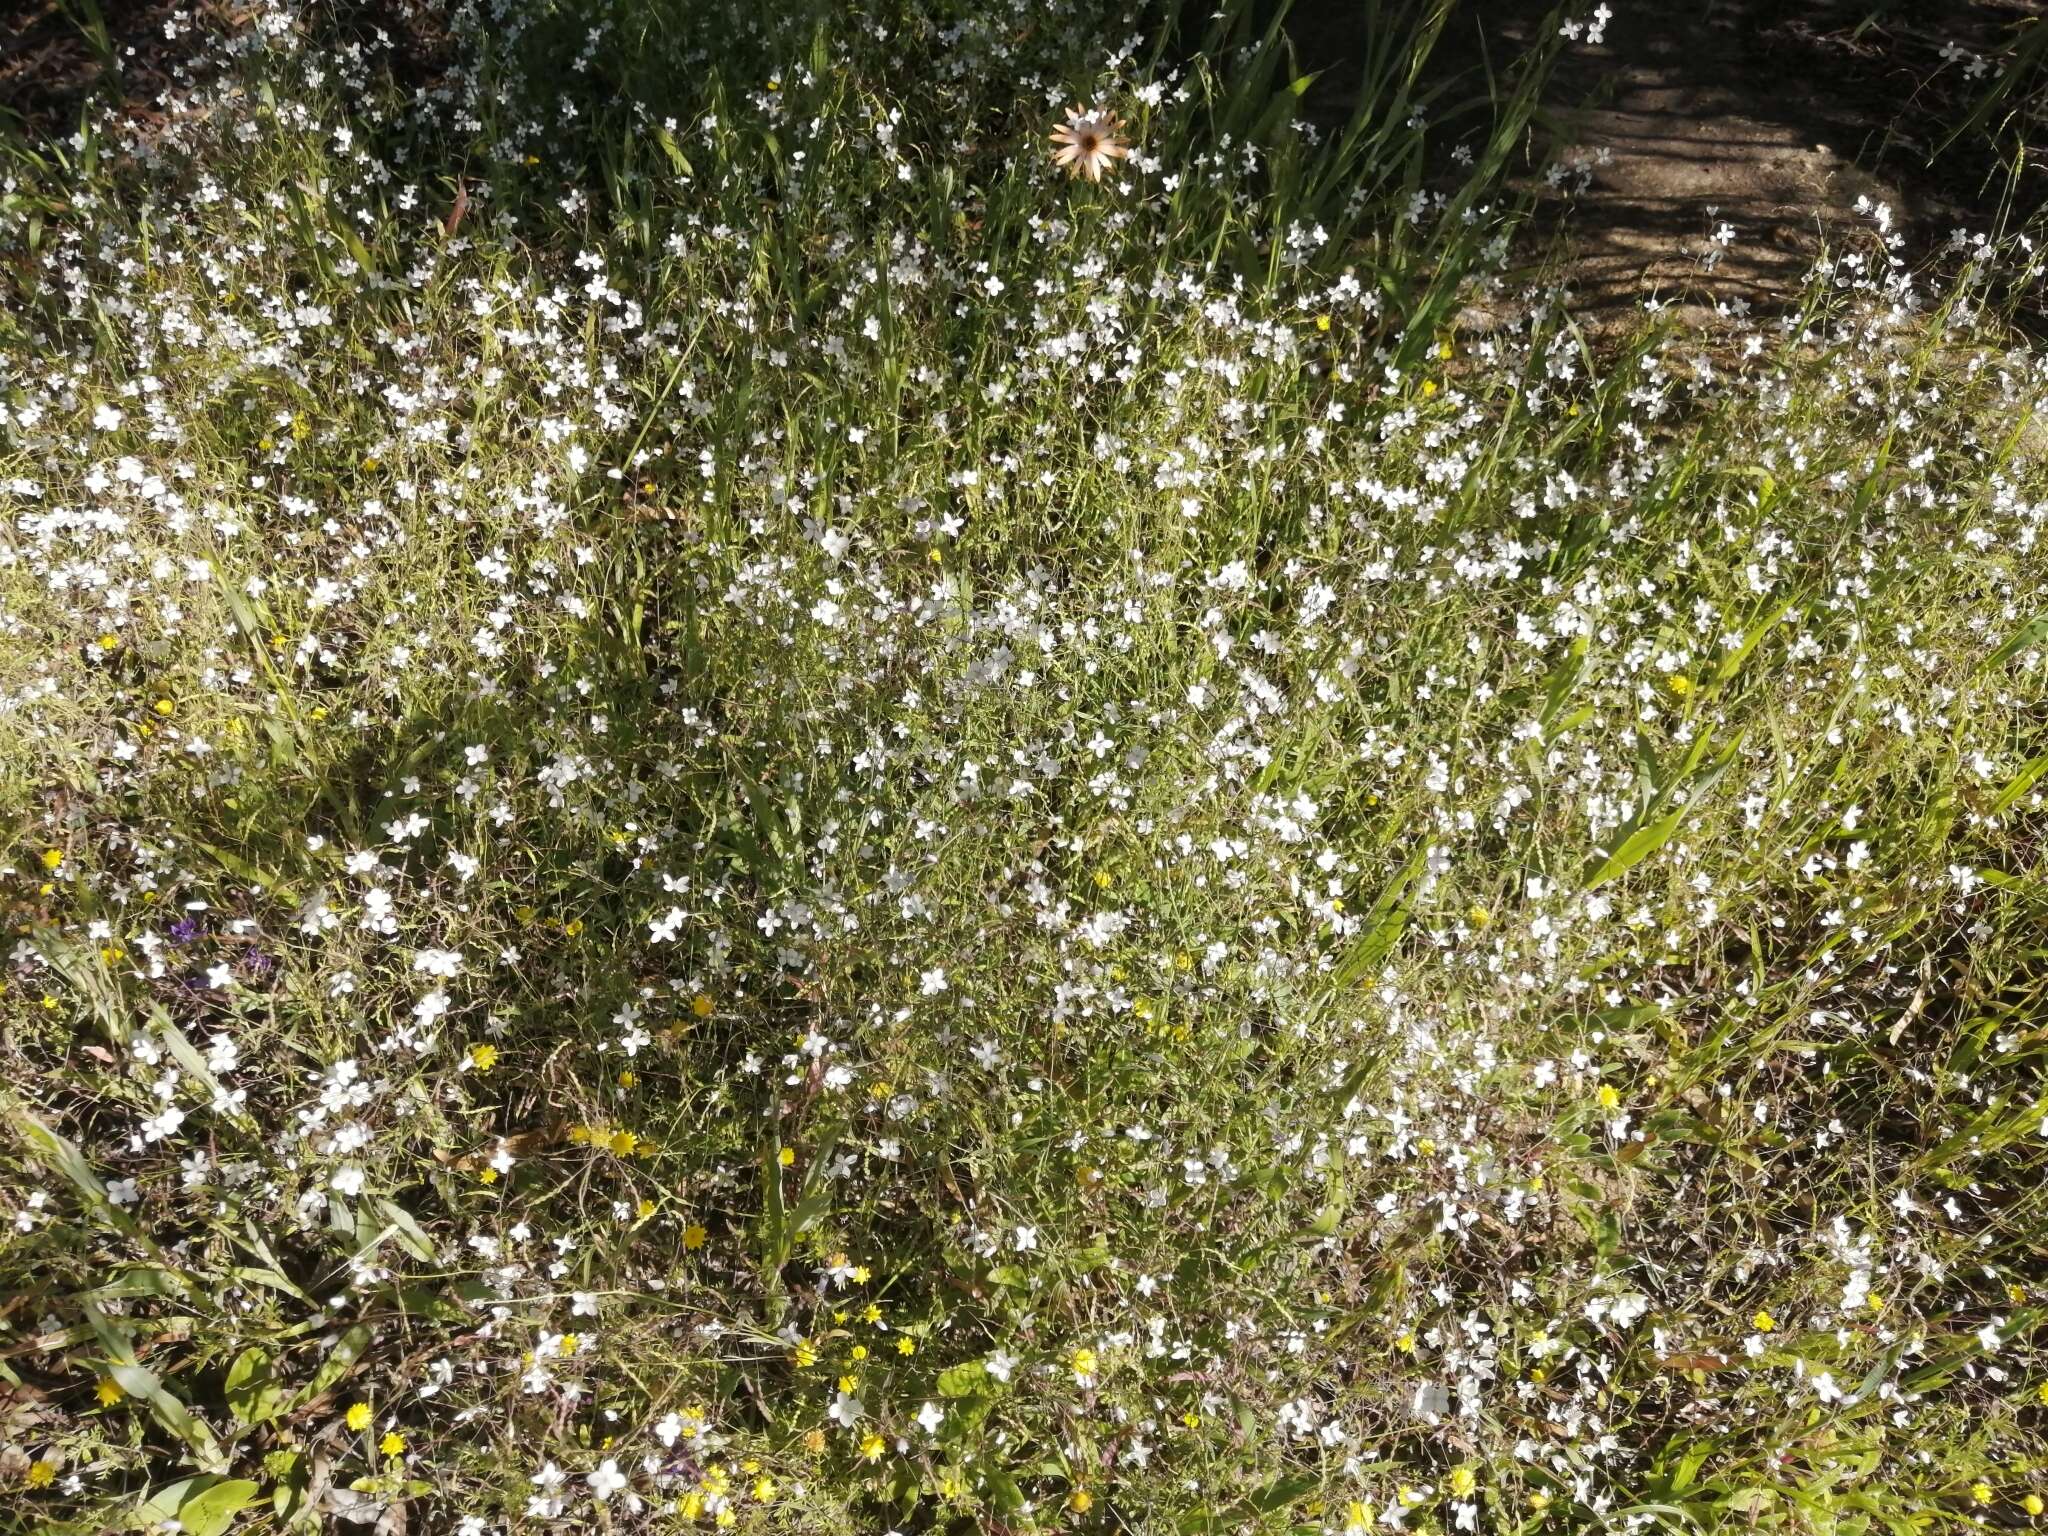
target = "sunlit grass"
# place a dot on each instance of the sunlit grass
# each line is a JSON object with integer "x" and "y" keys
{"x": 803, "y": 826}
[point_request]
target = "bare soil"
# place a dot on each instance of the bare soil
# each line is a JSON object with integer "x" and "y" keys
{"x": 1711, "y": 148}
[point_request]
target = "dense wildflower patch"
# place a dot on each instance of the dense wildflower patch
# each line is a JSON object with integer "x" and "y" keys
{"x": 730, "y": 807}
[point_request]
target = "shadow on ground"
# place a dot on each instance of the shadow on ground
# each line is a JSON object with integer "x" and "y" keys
{"x": 1710, "y": 147}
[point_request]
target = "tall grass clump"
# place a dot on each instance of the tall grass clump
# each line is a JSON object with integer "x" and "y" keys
{"x": 726, "y": 808}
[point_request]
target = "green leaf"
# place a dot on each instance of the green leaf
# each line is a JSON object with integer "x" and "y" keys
{"x": 673, "y": 150}
{"x": 146, "y": 1387}
{"x": 253, "y": 1391}
{"x": 212, "y": 1510}
{"x": 1003, "y": 1492}
{"x": 1384, "y": 922}
{"x": 2022, "y": 781}
{"x": 1650, "y": 835}
{"x": 344, "y": 1353}
{"x": 2032, "y": 632}
{"x": 1732, "y": 662}
{"x": 962, "y": 1380}
{"x": 411, "y": 1237}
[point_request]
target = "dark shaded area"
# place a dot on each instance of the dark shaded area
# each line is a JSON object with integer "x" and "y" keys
{"x": 1701, "y": 154}
{"x": 56, "y": 56}
{"x": 1761, "y": 120}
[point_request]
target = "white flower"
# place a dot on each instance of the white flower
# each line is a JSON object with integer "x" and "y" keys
{"x": 1000, "y": 1364}
{"x": 1431, "y": 1401}
{"x": 931, "y": 1416}
{"x": 845, "y": 1411}
{"x": 606, "y": 1480}
{"x": 1025, "y": 1239}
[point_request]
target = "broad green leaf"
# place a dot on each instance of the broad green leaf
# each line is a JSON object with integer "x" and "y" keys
{"x": 254, "y": 1393}
{"x": 212, "y": 1510}
{"x": 341, "y": 1358}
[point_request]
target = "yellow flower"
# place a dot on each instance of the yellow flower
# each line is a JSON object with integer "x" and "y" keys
{"x": 786, "y": 1157}
{"x": 1463, "y": 1481}
{"x": 487, "y": 1176}
{"x": 858, "y": 1353}
{"x": 628, "y": 1078}
{"x": 701, "y": 1006}
{"x": 41, "y": 1474}
{"x": 764, "y": 1490}
{"x": 644, "y": 1209}
{"x": 1981, "y": 1492}
{"x": 2042, "y": 1392}
{"x": 1763, "y": 1322}
{"x": 569, "y": 1343}
{"x": 806, "y": 1355}
{"x": 1322, "y": 322}
{"x": 871, "y": 1446}
{"x": 392, "y": 1443}
{"x": 1357, "y": 1518}
{"x": 1478, "y": 916}
{"x": 871, "y": 1313}
{"x": 483, "y": 1057}
{"x": 1679, "y": 684}
{"x": 52, "y": 857}
{"x": 1609, "y": 1099}
{"x": 623, "y": 1142}
{"x": 1405, "y": 1343}
{"x": 1080, "y": 1501}
{"x": 849, "y": 1385}
{"x": 906, "y": 1346}
{"x": 1428, "y": 388}
{"x": 573, "y": 927}
{"x": 694, "y": 1235}
{"x": 1084, "y": 1362}
{"x": 109, "y": 1391}
{"x": 358, "y": 1417}
{"x": 2032, "y": 1505}
{"x": 165, "y": 708}
{"x": 1539, "y": 1501}
{"x": 691, "y": 1505}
